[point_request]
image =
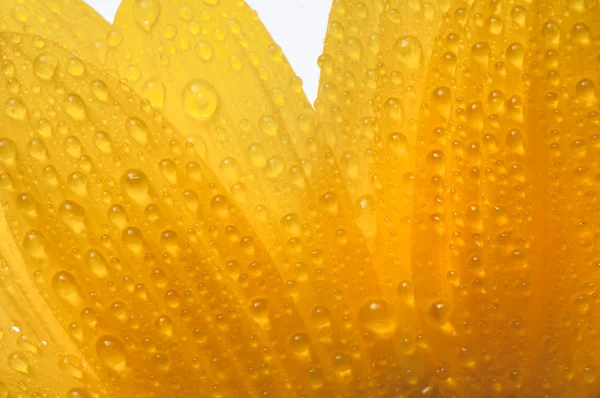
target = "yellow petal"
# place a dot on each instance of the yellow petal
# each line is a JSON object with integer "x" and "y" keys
{"x": 72, "y": 23}
{"x": 453, "y": 252}
{"x": 482, "y": 154}
{"x": 34, "y": 346}
{"x": 217, "y": 75}
{"x": 139, "y": 272}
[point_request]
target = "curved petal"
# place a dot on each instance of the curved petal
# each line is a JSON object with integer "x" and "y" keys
{"x": 504, "y": 198}
{"x": 372, "y": 77}
{"x": 480, "y": 150}
{"x": 72, "y": 23}
{"x": 142, "y": 257}
{"x": 35, "y": 347}
{"x": 217, "y": 75}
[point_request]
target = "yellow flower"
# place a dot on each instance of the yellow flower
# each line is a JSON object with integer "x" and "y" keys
{"x": 179, "y": 221}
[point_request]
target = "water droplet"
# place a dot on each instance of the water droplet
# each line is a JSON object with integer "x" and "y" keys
{"x": 71, "y": 365}
{"x": 321, "y": 316}
{"x": 37, "y": 150}
{"x": 408, "y": 51}
{"x": 551, "y": 33}
{"x": 260, "y": 310}
{"x": 137, "y": 130}
{"x": 300, "y": 345}
{"x": 256, "y": 156}
{"x": 136, "y": 186}
{"x": 73, "y": 216}
{"x": 20, "y": 13}
{"x": 204, "y": 50}
{"x": 275, "y": 167}
{"x": 146, "y": 13}
{"x": 75, "y": 107}
{"x": 27, "y": 205}
{"x": 316, "y": 378}
{"x": 133, "y": 240}
{"x": 515, "y": 141}
{"x": 15, "y": 108}
{"x": 439, "y": 312}
{"x": 398, "y": 144}
{"x": 154, "y": 91}
{"x": 34, "y": 244}
{"x": 200, "y": 99}
{"x": 18, "y": 361}
{"x": 191, "y": 200}
{"x": 78, "y": 393}
{"x": 350, "y": 165}
{"x": 114, "y": 38}
{"x": 220, "y": 206}
{"x": 586, "y": 89}
{"x": 44, "y": 128}
{"x": 378, "y": 317}
{"x": 96, "y": 263}
{"x": 103, "y": 142}
{"x": 515, "y": 54}
{"x": 393, "y": 109}
{"x": 75, "y": 67}
{"x": 519, "y": 16}
{"x": 268, "y": 125}
{"x": 67, "y": 288}
{"x": 341, "y": 362}
{"x": 480, "y": 52}
{"x": 441, "y": 101}
{"x": 99, "y": 90}
{"x": 168, "y": 169}
{"x": 235, "y": 62}
{"x": 581, "y": 34}
{"x": 8, "y": 151}
{"x": 354, "y": 49}
{"x": 111, "y": 353}
{"x": 164, "y": 326}
{"x": 45, "y": 66}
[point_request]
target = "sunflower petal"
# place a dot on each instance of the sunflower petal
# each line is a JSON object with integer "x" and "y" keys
{"x": 217, "y": 75}
{"x": 34, "y": 346}
{"x": 482, "y": 149}
{"x": 144, "y": 259}
{"x": 72, "y": 23}
{"x": 489, "y": 165}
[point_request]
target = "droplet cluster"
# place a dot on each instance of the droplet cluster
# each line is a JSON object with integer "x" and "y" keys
{"x": 179, "y": 221}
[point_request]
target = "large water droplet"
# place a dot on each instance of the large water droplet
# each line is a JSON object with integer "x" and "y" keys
{"x": 18, "y": 361}
{"x": 136, "y": 186}
{"x": 439, "y": 312}
{"x": 146, "y": 13}
{"x": 200, "y": 99}
{"x": 67, "y": 288}
{"x": 408, "y": 51}
{"x": 154, "y": 91}
{"x": 378, "y": 317}
{"x": 75, "y": 107}
{"x": 111, "y": 353}
{"x": 73, "y": 216}
{"x": 15, "y": 108}
{"x": 44, "y": 66}
{"x": 138, "y": 130}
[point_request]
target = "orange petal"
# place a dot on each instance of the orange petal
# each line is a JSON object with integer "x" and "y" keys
{"x": 217, "y": 75}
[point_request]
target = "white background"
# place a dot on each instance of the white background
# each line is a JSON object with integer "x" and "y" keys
{"x": 298, "y": 26}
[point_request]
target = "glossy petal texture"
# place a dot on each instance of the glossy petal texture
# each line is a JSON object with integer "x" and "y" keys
{"x": 479, "y": 138}
{"x": 431, "y": 230}
{"x": 72, "y": 23}
{"x": 244, "y": 107}
{"x": 157, "y": 283}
